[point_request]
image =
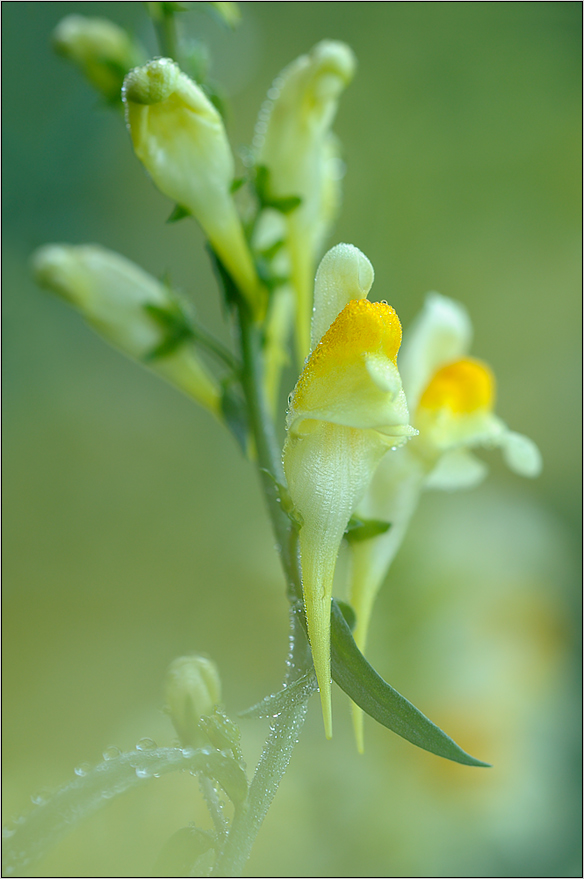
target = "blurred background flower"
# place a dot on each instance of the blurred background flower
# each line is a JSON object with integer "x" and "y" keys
{"x": 461, "y": 135}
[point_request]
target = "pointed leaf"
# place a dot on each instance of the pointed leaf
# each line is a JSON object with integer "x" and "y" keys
{"x": 237, "y": 183}
{"x": 285, "y": 204}
{"x": 234, "y": 412}
{"x": 360, "y": 681}
{"x": 59, "y": 813}
{"x": 176, "y": 326}
{"x": 297, "y": 691}
{"x": 364, "y": 529}
{"x": 179, "y": 213}
{"x": 348, "y": 613}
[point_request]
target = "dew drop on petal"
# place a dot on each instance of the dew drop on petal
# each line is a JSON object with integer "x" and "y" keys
{"x": 146, "y": 744}
{"x": 111, "y": 753}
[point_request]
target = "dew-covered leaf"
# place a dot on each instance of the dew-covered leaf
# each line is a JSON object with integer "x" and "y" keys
{"x": 360, "y": 681}
{"x": 33, "y": 835}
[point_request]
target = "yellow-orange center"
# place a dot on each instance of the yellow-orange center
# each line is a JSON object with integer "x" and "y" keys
{"x": 362, "y": 327}
{"x": 462, "y": 387}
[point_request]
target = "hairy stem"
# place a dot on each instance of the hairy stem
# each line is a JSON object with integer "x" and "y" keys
{"x": 285, "y": 728}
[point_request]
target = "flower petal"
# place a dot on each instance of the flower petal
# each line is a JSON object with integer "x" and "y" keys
{"x": 344, "y": 273}
{"x": 521, "y": 454}
{"x": 441, "y": 333}
{"x": 328, "y": 470}
{"x": 455, "y": 470}
{"x": 346, "y": 379}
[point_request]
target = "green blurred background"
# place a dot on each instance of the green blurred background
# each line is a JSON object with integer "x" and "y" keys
{"x": 134, "y": 530}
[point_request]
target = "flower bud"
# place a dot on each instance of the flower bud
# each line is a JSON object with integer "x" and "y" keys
{"x": 179, "y": 137}
{"x": 294, "y": 142}
{"x": 228, "y": 12}
{"x": 131, "y": 309}
{"x": 101, "y": 49}
{"x": 192, "y": 690}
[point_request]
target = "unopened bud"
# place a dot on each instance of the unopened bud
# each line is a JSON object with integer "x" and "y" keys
{"x": 229, "y": 13}
{"x": 131, "y": 309}
{"x": 295, "y": 145}
{"x": 180, "y": 138}
{"x": 102, "y": 50}
{"x": 193, "y": 689}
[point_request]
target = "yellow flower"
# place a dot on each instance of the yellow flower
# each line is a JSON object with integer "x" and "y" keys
{"x": 347, "y": 410}
{"x": 451, "y": 397}
{"x": 294, "y": 142}
{"x": 121, "y": 301}
{"x": 179, "y": 137}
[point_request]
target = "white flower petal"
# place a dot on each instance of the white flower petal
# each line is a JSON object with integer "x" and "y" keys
{"x": 521, "y": 454}
{"x": 328, "y": 470}
{"x": 456, "y": 470}
{"x": 344, "y": 273}
{"x": 440, "y": 334}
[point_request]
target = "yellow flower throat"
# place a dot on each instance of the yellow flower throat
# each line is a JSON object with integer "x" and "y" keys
{"x": 462, "y": 387}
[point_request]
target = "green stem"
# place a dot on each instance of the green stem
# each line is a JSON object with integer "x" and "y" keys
{"x": 284, "y": 733}
{"x": 214, "y": 346}
{"x": 209, "y": 791}
{"x": 285, "y": 729}
{"x": 166, "y": 34}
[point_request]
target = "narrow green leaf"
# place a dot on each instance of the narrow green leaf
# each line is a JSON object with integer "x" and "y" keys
{"x": 296, "y": 691}
{"x": 285, "y": 500}
{"x": 49, "y": 821}
{"x": 231, "y": 295}
{"x": 364, "y": 529}
{"x": 348, "y": 613}
{"x": 360, "y": 681}
{"x": 222, "y": 732}
{"x": 176, "y": 326}
{"x": 179, "y": 213}
{"x": 237, "y": 183}
{"x": 285, "y": 204}
{"x": 234, "y": 412}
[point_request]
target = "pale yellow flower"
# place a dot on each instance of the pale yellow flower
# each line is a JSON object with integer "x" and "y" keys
{"x": 347, "y": 410}
{"x": 294, "y": 142}
{"x": 102, "y": 50}
{"x": 120, "y": 301}
{"x": 180, "y": 138}
{"x": 451, "y": 397}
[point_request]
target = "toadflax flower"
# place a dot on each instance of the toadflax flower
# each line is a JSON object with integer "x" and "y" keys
{"x": 347, "y": 410}
{"x": 131, "y": 309}
{"x": 179, "y": 137}
{"x": 451, "y": 397}
{"x": 294, "y": 143}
